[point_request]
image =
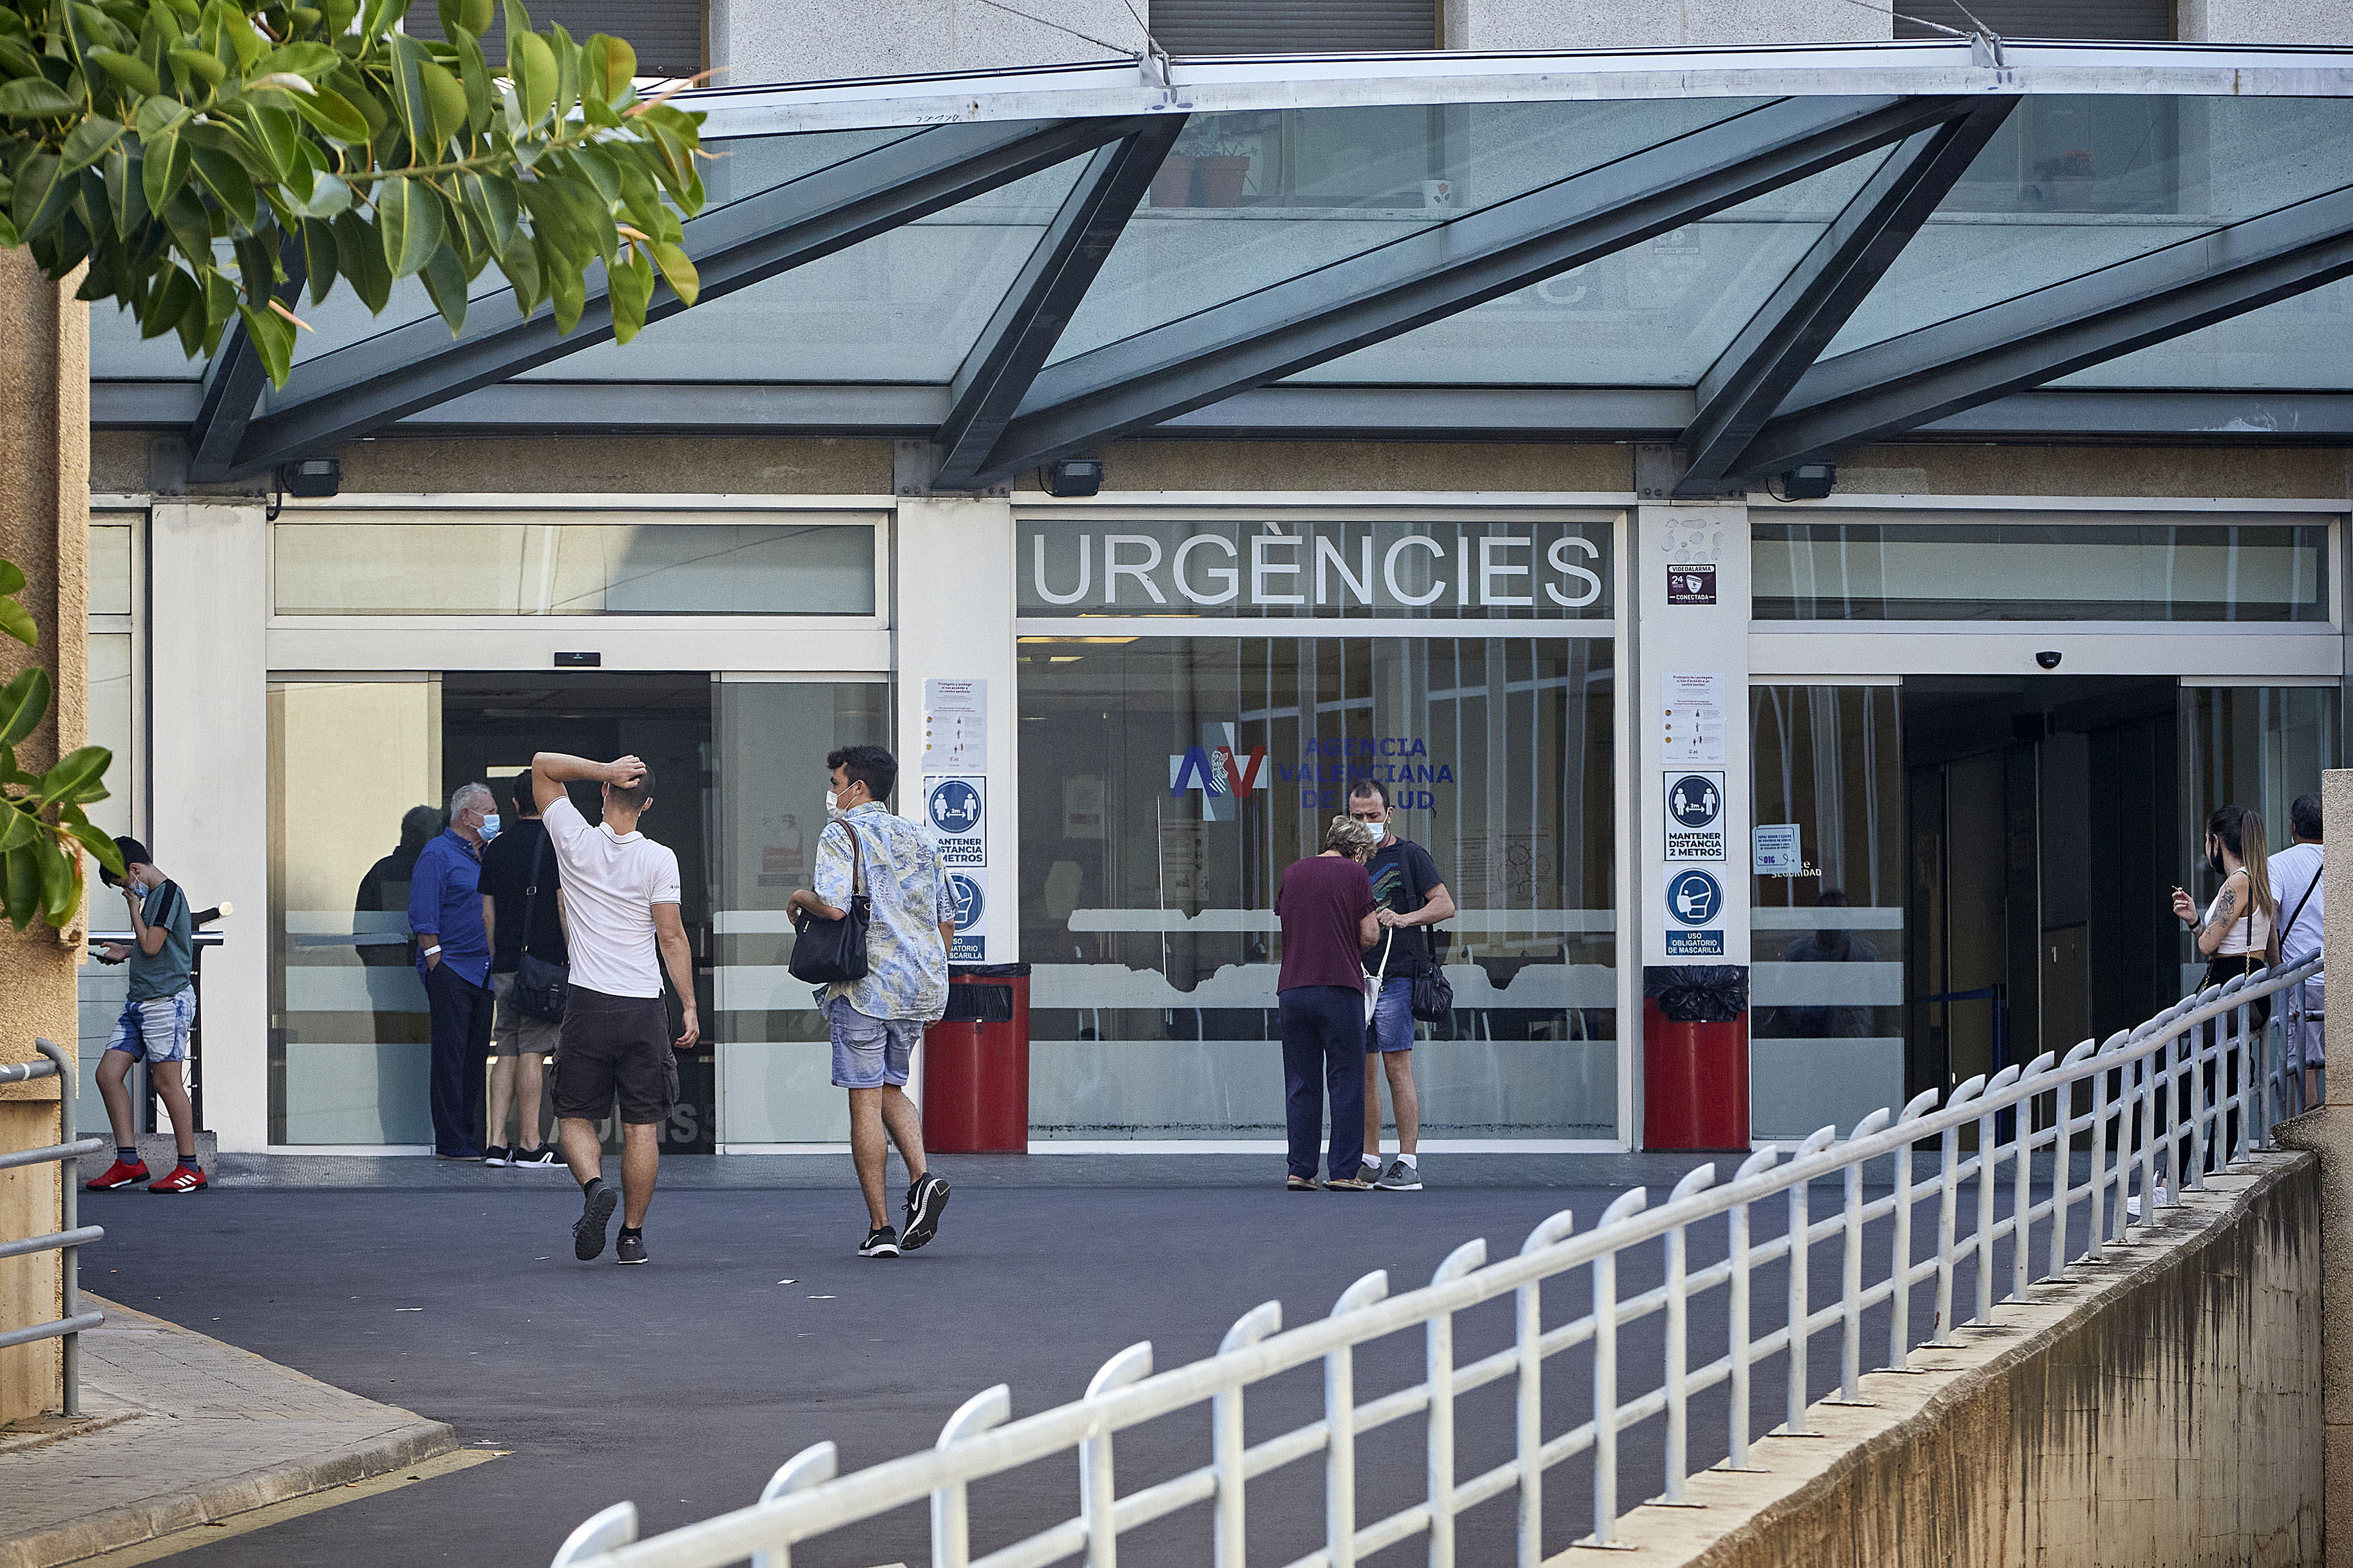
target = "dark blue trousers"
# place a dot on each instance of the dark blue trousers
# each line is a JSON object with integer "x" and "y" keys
{"x": 461, "y": 1044}
{"x": 1324, "y": 1043}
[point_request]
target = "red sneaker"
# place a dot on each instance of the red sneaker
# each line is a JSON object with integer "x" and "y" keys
{"x": 186, "y": 1179}
{"x": 120, "y": 1174}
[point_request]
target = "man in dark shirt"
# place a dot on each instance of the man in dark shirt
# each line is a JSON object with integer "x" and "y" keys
{"x": 517, "y": 861}
{"x": 1411, "y": 898}
{"x": 453, "y": 953}
{"x": 1326, "y": 907}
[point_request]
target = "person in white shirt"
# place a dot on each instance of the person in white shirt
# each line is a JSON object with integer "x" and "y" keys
{"x": 620, "y": 906}
{"x": 2295, "y": 879}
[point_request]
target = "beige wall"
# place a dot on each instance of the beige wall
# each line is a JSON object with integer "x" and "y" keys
{"x": 45, "y": 530}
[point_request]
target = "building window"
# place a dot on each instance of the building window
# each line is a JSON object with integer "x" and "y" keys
{"x": 390, "y": 565}
{"x": 666, "y": 34}
{"x": 1167, "y": 782}
{"x": 1293, "y": 27}
{"x": 1934, "y": 567}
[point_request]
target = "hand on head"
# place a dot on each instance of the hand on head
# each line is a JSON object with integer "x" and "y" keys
{"x": 625, "y": 772}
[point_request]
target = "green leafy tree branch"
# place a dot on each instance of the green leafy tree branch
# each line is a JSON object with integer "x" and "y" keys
{"x": 42, "y": 830}
{"x": 184, "y": 148}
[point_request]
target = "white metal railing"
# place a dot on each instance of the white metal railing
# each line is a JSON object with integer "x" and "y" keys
{"x": 71, "y": 1236}
{"x": 2158, "y": 1108}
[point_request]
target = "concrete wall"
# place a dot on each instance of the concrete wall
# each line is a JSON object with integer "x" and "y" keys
{"x": 1650, "y": 24}
{"x": 755, "y": 42}
{"x": 2162, "y": 1409}
{"x": 2263, "y": 22}
{"x": 45, "y": 530}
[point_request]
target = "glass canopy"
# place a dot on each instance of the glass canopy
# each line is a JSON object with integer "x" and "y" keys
{"x": 1386, "y": 223}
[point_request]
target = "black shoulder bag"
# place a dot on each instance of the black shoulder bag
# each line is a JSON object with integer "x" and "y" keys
{"x": 829, "y": 952}
{"x": 539, "y": 985}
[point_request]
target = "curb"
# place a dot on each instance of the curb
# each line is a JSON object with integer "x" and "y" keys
{"x": 133, "y": 1525}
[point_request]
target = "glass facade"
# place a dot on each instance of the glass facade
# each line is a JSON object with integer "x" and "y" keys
{"x": 1165, "y": 782}
{"x": 775, "y": 1064}
{"x": 1927, "y": 566}
{"x": 1827, "y": 941}
{"x": 411, "y": 565}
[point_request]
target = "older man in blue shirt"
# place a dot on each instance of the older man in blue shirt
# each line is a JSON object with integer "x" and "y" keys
{"x": 453, "y": 953}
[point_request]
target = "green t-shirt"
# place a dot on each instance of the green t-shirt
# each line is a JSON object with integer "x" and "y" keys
{"x": 163, "y": 972}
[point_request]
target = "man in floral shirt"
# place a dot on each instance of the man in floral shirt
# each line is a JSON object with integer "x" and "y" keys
{"x": 878, "y": 1019}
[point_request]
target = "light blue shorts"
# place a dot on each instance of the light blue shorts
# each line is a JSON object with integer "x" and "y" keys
{"x": 869, "y": 1053}
{"x": 1392, "y": 1025}
{"x": 156, "y": 1030}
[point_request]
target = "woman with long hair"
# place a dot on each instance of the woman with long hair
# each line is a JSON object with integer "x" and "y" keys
{"x": 2235, "y": 932}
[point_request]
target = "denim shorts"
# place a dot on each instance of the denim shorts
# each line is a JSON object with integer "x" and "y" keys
{"x": 1392, "y": 1025}
{"x": 869, "y": 1053}
{"x": 156, "y": 1030}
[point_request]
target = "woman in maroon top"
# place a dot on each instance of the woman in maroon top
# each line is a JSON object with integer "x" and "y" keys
{"x": 1328, "y": 919}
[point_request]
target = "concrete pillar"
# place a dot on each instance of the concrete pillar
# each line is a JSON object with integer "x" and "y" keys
{"x": 209, "y": 830}
{"x": 2264, "y": 22}
{"x": 753, "y": 42}
{"x": 2328, "y": 1132}
{"x": 45, "y": 530}
{"x": 960, "y": 553}
{"x": 1687, "y": 652}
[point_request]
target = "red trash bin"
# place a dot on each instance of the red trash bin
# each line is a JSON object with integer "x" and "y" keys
{"x": 976, "y": 1063}
{"x": 1694, "y": 1083}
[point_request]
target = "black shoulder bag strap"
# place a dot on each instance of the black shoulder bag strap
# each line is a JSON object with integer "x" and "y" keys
{"x": 531, "y": 892}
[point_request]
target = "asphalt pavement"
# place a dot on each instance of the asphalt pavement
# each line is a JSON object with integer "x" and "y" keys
{"x": 755, "y": 1331}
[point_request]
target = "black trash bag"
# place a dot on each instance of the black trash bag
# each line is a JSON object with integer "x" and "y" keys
{"x": 1698, "y": 994}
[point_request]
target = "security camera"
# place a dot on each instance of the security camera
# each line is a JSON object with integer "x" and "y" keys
{"x": 2048, "y": 660}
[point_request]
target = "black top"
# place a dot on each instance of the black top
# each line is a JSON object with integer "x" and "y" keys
{"x": 384, "y": 887}
{"x": 1403, "y": 873}
{"x": 507, "y": 870}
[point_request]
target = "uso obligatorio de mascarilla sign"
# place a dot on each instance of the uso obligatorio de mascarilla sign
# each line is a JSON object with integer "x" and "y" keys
{"x": 1512, "y": 569}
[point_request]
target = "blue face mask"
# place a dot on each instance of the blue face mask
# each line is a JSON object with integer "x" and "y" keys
{"x": 490, "y": 826}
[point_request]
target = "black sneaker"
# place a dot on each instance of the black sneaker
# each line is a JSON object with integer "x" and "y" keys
{"x": 544, "y": 1154}
{"x": 496, "y": 1155}
{"x": 630, "y": 1249}
{"x": 596, "y": 1214}
{"x": 881, "y": 1242}
{"x": 925, "y": 1199}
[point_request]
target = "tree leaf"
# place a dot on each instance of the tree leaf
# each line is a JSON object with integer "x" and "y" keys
{"x": 101, "y": 846}
{"x": 23, "y": 896}
{"x": 320, "y": 252}
{"x": 170, "y": 302}
{"x": 360, "y": 252}
{"x": 532, "y": 64}
{"x": 23, "y": 701}
{"x": 408, "y": 219}
{"x": 33, "y": 96}
{"x": 632, "y": 284}
{"x": 314, "y": 62}
{"x": 226, "y": 178}
{"x": 445, "y": 104}
{"x": 408, "y": 100}
{"x": 12, "y": 577}
{"x": 15, "y": 621}
{"x": 77, "y": 775}
{"x": 88, "y": 142}
{"x": 129, "y": 69}
{"x": 195, "y": 66}
{"x": 273, "y": 339}
{"x": 677, "y": 270}
{"x": 41, "y": 197}
{"x": 126, "y": 193}
{"x": 444, "y": 283}
{"x": 492, "y": 201}
{"x": 567, "y": 70}
{"x": 278, "y": 135}
{"x": 17, "y": 826}
{"x": 335, "y": 117}
{"x": 519, "y": 259}
{"x": 474, "y": 71}
{"x": 60, "y": 878}
{"x": 565, "y": 290}
{"x": 606, "y": 64}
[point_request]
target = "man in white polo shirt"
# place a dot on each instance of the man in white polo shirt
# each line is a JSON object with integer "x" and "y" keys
{"x": 621, "y": 903}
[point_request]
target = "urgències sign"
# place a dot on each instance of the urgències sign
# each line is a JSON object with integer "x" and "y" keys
{"x": 1424, "y": 568}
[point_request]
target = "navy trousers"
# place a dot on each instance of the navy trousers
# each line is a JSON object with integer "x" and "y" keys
{"x": 461, "y": 1044}
{"x": 1323, "y": 1044}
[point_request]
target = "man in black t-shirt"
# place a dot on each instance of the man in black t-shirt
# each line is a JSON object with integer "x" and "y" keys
{"x": 1410, "y": 899}
{"x": 520, "y": 1044}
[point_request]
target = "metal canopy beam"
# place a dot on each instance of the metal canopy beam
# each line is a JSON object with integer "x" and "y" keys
{"x": 412, "y": 367}
{"x": 1936, "y": 372}
{"x": 1383, "y": 293}
{"x": 1029, "y": 319}
{"x": 1748, "y": 381}
{"x": 234, "y": 388}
